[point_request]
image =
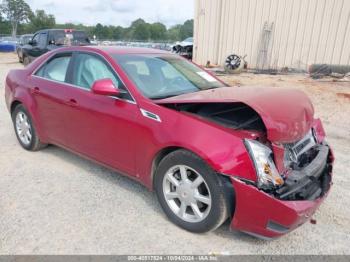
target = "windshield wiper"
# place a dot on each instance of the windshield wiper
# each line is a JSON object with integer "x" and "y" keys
{"x": 161, "y": 97}
{"x": 173, "y": 94}
{"x": 211, "y": 87}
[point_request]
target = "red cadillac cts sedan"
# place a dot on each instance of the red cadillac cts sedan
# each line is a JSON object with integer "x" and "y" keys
{"x": 256, "y": 156}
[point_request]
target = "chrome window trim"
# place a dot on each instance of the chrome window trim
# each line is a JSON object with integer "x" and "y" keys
{"x": 133, "y": 101}
{"x": 84, "y": 89}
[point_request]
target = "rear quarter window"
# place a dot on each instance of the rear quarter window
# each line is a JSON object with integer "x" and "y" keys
{"x": 55, "y": 69}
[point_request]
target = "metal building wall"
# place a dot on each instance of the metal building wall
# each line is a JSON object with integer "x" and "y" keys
{"x": 304, "y": 31}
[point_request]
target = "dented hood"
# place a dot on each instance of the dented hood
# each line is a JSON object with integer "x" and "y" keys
{"x": 286, "y": 113}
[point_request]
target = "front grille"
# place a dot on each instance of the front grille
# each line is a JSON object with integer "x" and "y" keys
{"x": 299, "y": 148}
{"x": 310, "y": 182}
{"x": 294, "y": 151}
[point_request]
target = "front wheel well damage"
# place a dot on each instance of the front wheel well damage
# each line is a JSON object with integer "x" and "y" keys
{"x": 225, "y": 180}
{"x": 230, "y": 192}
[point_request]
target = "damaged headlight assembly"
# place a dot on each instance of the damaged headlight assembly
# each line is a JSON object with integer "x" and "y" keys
{"x": 267, "y": 173}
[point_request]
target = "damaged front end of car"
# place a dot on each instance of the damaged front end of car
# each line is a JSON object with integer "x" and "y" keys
{"x": 306, "y": 171}
{"x": 292, "y": 177}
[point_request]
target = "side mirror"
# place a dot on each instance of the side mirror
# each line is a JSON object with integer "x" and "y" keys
{"x": 106, "y": 87}
{"x": 32, "y": 42}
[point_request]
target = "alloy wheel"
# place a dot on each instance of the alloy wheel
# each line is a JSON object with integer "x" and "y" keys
{"x": 187, "y": 193}
{"x": 23, "y": 128}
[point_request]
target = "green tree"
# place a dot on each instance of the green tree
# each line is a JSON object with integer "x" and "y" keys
{"x": 5, "y": 27}
{"x": 41, "y": 20}
{"x": 98, "y": 30}
{"x": 158, "y": 31}
{"x": 118, "y": 33}
{"x": 186, "y": 29}
{"x": 15, "y": 11}
{"x": 173, "y": 33}
{"x": 140, "y": 30}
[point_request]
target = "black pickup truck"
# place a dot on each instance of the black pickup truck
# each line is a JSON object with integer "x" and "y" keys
{"x": 49, "y": 39}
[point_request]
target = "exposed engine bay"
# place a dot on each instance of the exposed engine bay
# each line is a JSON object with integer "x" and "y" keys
{"x": 231, "y": 115}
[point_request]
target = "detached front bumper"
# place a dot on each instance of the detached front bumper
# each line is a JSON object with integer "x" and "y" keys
{"x": 268, "y": 216}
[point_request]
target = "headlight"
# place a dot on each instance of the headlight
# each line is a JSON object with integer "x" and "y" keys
{"x": 268, "y": 176}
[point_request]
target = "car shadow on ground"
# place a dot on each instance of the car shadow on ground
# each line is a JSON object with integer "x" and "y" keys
{"x": 134, "y": 187}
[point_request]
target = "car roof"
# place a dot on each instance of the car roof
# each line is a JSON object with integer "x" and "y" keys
{"x": 129, "y": 50}
{"x": 111, "y": 50}
{"x": 57, "y": 29}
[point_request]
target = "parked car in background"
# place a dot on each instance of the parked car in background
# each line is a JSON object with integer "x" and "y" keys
{"x": 256, "y": 156}
{"x": 50, "y": 39}
{"x": 23, "y": 40}
{"x": 8, "y": 44}
{"x": 184, "y": 48}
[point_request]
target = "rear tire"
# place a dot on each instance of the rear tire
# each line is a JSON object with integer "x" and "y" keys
{"x": 198, "y": 188}
{"x": 24, "y": 129}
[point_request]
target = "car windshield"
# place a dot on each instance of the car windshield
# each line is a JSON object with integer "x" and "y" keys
{"x": 161, "y": 76}
{"x": 190, "y": 39}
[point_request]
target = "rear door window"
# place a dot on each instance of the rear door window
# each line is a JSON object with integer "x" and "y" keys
{"x": 56, "y": 68}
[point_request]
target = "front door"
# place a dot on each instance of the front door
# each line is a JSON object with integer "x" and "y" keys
{"x": 39, "y": 45}
{"x": 100, "y": 127}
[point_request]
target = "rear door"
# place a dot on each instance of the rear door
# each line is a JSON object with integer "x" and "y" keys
{"x": 49, "y": 89}
{"x": 100, "y": 127}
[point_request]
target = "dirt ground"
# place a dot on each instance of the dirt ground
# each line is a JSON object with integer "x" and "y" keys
{"x": 54, "y": 202}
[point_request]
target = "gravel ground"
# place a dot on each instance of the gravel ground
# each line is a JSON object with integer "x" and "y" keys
{"x": 54, "y": 202}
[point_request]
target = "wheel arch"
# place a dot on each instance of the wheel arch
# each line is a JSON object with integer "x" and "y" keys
{"x": 14, "y": 104}
{"x": 29, "y": 105}
{"x": 159, "y": 156}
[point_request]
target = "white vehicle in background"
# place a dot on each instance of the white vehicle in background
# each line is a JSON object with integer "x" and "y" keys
{"x": 187, "y": 42}
{"x": 184, "y": 48}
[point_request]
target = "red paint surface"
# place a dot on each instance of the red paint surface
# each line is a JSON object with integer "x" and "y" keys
{"x": 254, "y": 209}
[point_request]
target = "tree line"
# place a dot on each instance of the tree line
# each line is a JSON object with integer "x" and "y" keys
{"x": 17, "y": 18}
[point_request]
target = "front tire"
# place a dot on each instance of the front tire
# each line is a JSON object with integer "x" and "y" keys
{"x": 25, "y": 131}
{"x": 20, "y": 58}
{"x": 191, "y": 193}
{"x": 26, "y": 60}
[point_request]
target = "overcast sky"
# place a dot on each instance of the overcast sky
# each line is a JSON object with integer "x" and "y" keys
{"x": 116, "y": 12}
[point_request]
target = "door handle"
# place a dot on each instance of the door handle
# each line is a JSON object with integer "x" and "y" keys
{"x": 72, "y": 102}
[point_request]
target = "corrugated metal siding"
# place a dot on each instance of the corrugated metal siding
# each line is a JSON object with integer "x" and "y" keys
{"x": 304, "y": 31}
